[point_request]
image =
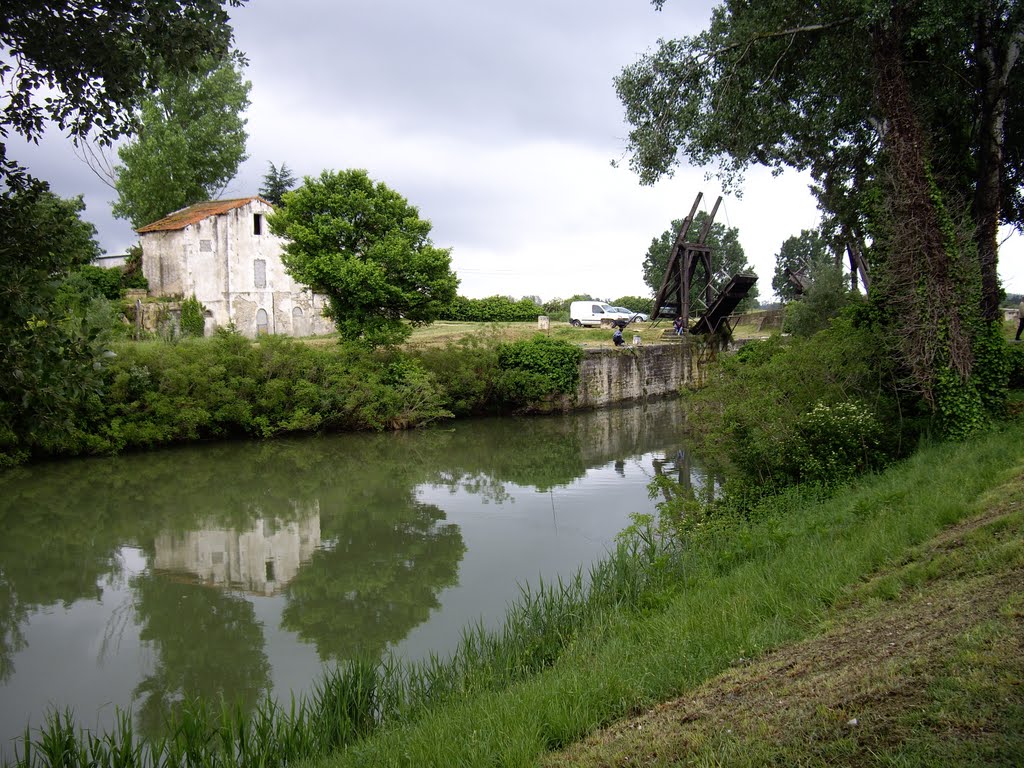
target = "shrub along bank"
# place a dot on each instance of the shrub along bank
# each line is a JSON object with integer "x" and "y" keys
{"x": 151, "y": 394}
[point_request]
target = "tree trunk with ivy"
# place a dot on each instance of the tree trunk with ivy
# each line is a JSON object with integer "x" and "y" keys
{"x": 927, "y": 286}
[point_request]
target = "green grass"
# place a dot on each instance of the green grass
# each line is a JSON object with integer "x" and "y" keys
{"x": 919, "y": 665}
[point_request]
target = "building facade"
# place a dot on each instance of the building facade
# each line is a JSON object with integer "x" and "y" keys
{"x": 223, "y": 253}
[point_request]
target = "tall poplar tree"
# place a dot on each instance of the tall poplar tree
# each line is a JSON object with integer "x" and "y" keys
{"x": 190, "y": 143}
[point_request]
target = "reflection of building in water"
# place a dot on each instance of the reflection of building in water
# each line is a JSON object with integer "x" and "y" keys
{"x": 261, "y": 560}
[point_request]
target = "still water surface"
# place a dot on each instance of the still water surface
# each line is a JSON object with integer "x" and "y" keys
{"x": 241, "y": 569}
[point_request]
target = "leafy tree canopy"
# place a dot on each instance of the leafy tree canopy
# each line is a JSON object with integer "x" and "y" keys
{"x": 791, "y": 83}
{"x": 727, "y": 257}
{"x": 903, "y": 113}
{"x": 190, "y": 144}
{"x": 86, "y": 66}
{"x": 276, "y": 181}
{"x": 801, "y": 254}
{"x": 366, "y": 248}
{"x": 46, "y": 367}
{"x": 636, "y": 303}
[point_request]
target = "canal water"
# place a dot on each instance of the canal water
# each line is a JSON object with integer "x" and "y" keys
{"x": 243, "y": 569}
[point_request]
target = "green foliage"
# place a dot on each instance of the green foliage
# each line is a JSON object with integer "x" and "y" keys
{"x": 86, "y": 66}
{"x": 493, "y": 309}
{"x": 992, "y": 367}
{"x": 365, "y": 247}
{"x": 48, "y": 363}
{"x": 190, "y": 143}
{"x": 468, "y": 368}
{"x": 636, "y": 303}
{"x": 533, "y": 370}
{"x": 958, "y": 406}
{"x": 276, "y": 181}
{"x": 105, "y": 281}
{"x": 193, "y": 321}
{"x": 800, "y": 410}
{"x": 825, "y": 298}
{"x": 132, "y": 276}
{"x": 1015, "y": 363}
{"x": 834, "y": 443}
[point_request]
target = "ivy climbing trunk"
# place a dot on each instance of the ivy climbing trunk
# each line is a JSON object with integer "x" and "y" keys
{"x": 921, "y": 278}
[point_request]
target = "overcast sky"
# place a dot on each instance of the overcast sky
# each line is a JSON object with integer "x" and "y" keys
{"x": 498, "y": 121}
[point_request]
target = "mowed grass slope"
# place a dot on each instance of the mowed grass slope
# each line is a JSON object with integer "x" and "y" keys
{"x": 923, "y": 665}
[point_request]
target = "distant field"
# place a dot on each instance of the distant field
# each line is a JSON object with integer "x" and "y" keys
{"x": 444, "y": 331}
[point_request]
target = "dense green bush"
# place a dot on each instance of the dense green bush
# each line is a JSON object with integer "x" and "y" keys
{"x": 826, "y": 297}
{"x": 158, "y": 393}
{"x": 468, "y": 368}
{"x": 1015, "y": 361}
{"x": 193, "y": 323}
{"x": 536, "y": 369}
{"x": 636, "y": 303}
{"x": 493, "y": 309}
{"x": 784, "y": 411}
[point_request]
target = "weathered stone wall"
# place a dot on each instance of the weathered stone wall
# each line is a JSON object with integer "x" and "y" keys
{"x": 236, "y": 273}
{"x": 630, "y": 373}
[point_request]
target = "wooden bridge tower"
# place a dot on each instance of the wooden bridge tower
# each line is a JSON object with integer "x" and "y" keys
{"x": 687, "y": 286}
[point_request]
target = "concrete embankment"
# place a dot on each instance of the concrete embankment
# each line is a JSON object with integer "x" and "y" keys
{"x": 636, "y": 373}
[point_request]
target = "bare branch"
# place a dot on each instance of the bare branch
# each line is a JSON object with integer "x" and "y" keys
{"x": 793, "y": 31}
{"x": 95, "y": 156}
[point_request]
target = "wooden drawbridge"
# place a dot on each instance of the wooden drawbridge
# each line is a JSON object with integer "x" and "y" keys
{"x": 688, "y": 287}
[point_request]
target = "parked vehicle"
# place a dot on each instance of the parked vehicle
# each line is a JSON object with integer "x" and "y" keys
{"x": 634, "y": 317}
{"x": 591, "y": 313}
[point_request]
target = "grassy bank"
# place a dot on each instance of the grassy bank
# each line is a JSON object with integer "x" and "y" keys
{"x": 919, "y": 665}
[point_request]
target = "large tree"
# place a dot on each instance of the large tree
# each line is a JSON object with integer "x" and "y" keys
{"x": 85, "y": 67}
{"x": 366, "y": 248}
{"x": 47, "y": 371}
{"x": 727, "y": 256}
{"x": 190, "y": 143}
{"x": 899, "y": 111}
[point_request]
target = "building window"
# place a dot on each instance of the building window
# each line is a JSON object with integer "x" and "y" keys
{"x": 259, "y": 269}
{"x": 298, "y": 322}
{"x": 262, "y": 323}
{"x": 257, "y": 223}
{"x": 206, "y": 246}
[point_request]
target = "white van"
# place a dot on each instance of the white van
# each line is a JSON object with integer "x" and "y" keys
{"x": 592, "y": 313}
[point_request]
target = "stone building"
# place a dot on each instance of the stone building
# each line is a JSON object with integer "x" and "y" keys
{"x": 222, "y": 252}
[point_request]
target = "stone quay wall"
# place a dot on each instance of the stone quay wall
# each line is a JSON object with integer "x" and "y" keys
{"x": 636, "y": 373}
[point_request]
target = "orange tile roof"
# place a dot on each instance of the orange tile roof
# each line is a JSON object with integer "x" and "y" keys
{"x": 198, "y": 212}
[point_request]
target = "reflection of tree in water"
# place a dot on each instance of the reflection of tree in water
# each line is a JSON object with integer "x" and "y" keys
{"x": 64, "y": 523}
{"x": 207, "y": 644}
{"x": 379, "y": 575}
{"x": 49, "y": 555}
{"x": 12, "y": 615}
